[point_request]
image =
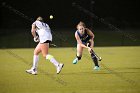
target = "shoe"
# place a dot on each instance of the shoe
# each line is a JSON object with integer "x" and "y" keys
{"x": 59, "y": 68}
{"x": 75, "y": 61}
{"x": 96, "y": 68}
{"x": 32, "y": 71}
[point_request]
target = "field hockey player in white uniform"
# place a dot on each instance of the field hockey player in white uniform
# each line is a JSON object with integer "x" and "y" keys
{"x": 44, "y": 38}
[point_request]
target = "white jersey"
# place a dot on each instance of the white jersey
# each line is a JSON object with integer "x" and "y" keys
{"x": 43, "y": 31}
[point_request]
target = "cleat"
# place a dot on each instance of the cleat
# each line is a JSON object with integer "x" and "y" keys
{"x": 96, "y": 68}
{"x": 59, "y": 68}
{"x": 75, "y": 61}
{"x": 32, "y": 71}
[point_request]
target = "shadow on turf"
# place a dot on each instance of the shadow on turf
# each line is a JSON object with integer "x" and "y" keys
{"x": 97, "y": 72}
{"x": 120, "y": 74}
{"x": 80, "y": 73}
{"x": 54, "y": 77}
{"x": 126, "y": 68}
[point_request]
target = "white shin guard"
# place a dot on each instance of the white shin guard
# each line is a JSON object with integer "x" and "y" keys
{"x": 52, "y": 60}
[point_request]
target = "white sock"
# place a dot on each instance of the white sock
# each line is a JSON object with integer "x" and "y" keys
{"x": 53, "y": 60}
{"x": 35, "y": 61}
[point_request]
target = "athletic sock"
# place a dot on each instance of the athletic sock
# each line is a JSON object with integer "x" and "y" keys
{"x": 35, "y": 61}
{"x": 78, "y": 58}
{"x": 52, "y": 60}
{"x": 94, "y": 58}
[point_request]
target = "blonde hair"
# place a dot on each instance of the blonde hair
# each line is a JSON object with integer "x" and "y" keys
{"x": 39, "y": 18}
{"x": 81, "y": 24}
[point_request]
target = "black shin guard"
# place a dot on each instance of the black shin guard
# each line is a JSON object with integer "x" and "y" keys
{"x": 95, "y": 60}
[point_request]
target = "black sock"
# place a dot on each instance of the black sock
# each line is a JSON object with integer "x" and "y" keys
{"x": 79, "y": 57}
{"x": 95, "y": 60}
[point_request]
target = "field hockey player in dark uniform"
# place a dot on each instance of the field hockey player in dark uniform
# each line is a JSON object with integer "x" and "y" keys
{"x": 84, "y": 38}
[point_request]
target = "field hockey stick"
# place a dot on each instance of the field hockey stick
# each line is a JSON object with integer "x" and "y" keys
{"x": 99, "y": 58}
{"x": 54, "y": 45}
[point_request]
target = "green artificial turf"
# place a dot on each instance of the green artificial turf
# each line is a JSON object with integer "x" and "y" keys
{"x": 119, "y": 71}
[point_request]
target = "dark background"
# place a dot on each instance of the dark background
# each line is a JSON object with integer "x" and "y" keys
{"x": 123, "y": 14}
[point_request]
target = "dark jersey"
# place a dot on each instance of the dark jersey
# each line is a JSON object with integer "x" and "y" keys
{"x": 84, "y": 37}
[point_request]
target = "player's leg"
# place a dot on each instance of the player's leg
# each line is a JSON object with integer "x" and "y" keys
{"x": 33, "y": 70}
{"x": 36, "y": 56}
{"x": 78, "y": 54}
{"x": 94, "y": 58}
{"x": 44, "y": 49}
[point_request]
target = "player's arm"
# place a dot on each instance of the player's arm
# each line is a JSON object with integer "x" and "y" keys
{"x": 33, "y": 30}
{"x": 79, "y": 41}
{"x": 92, "y": 37}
